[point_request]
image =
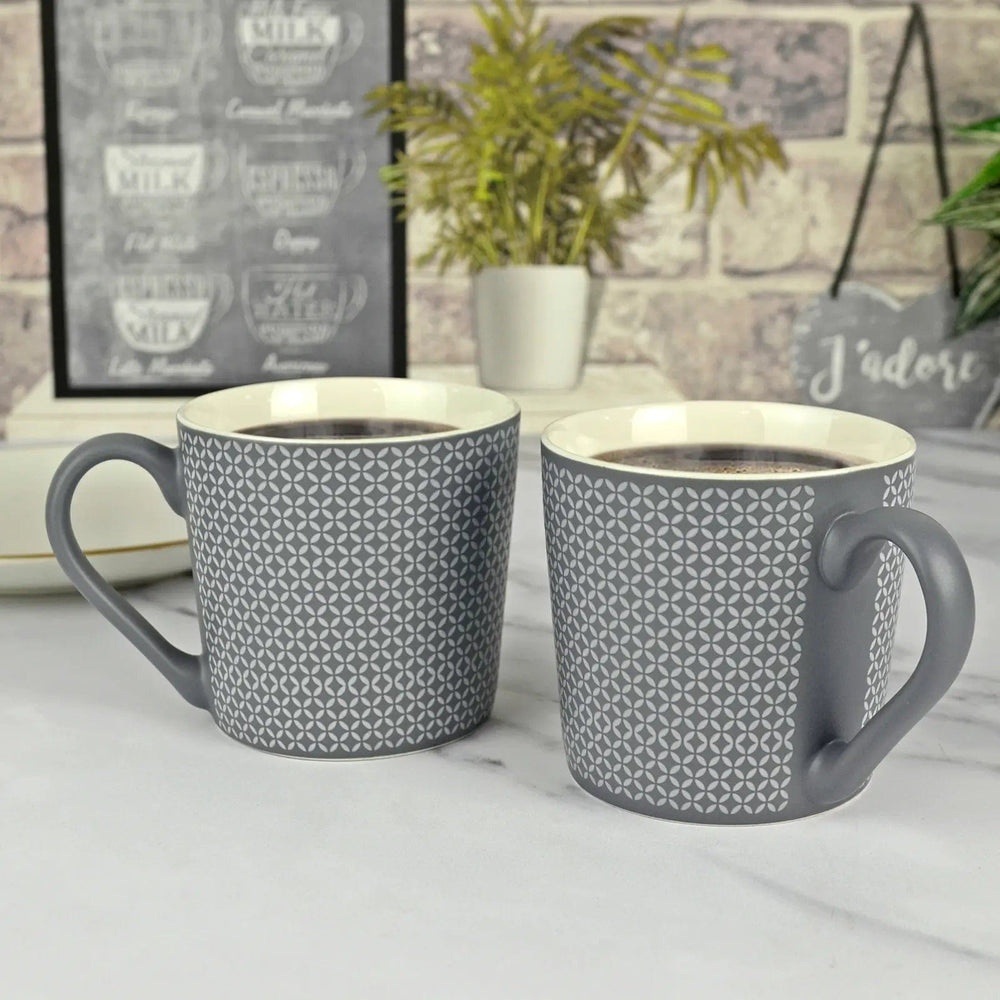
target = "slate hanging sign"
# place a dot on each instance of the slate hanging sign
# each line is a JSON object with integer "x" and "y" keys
{"x": 867, "y": 352}
{"x": 859, "y": 348}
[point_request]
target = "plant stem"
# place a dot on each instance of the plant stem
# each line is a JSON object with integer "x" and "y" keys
{"x": 510, "y": 217}
{"x": 538, "y": 223}
{"x": 614, "y": 163}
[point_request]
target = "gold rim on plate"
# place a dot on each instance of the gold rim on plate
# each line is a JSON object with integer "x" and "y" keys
{"x": 91, "y": 553}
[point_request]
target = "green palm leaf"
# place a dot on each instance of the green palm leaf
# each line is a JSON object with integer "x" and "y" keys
{"x": 550, "y": 147}
{"x": 987, "y": 130}
{"x": 987, "y": 176}
{"x": 980, "y": 299}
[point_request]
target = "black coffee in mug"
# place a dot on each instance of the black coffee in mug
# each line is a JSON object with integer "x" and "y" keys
{"x": 728, "y": 459}
{"x": 344, "y": 427}
{"x": 350, "y": 592}
{"x": 723, "y": 640}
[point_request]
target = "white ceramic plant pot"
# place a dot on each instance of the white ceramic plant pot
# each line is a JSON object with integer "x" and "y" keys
{"x": 531, "y": 326}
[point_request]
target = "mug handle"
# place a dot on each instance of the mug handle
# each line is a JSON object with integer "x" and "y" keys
{"x": 848, "y": 552}
{"x": 219, "y": 166}
{"x": 223, "y": 298}
{"x": 355, "y": 35}
{"x": 183, "y": 670}
{"x": 213, "y": 32}
{"x": 358, "y": 299}
{"x": 359, "y": 168}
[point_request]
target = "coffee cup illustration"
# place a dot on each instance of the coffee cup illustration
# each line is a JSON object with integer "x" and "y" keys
{"x": 294, "y": 43}
{"x": 302, "y": 306}
{"x": 150, "y": 177}
{"x": 168, "y": 312}
{"x": 146, "y": 47}
{"x": 299, "y": 177}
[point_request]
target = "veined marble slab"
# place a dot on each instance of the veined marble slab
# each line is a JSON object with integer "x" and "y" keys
{"x": 144, "y": 854}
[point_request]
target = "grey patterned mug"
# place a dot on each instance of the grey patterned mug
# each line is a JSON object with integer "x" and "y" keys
{"x": 723, "y": 640}
{"x": 350, "y": 590}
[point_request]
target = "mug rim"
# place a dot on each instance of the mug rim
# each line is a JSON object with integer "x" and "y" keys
{"x": 901, "y": 444}
{"x": 494, "y": 408}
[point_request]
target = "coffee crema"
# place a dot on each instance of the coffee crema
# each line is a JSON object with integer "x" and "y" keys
{"x": 729, "y": 459}
{"x": 347, "y": 427}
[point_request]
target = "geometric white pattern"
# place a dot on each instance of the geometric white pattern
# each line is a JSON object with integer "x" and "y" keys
{"x": 898, "y": 493}
{"x": 678, "y": 614}
{"x": 351, "y": 596}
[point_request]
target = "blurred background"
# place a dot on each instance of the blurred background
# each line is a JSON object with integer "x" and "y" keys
{"x": 709, "y": 301}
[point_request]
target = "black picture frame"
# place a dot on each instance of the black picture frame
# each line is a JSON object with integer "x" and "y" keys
{"x": 61, "y": 328}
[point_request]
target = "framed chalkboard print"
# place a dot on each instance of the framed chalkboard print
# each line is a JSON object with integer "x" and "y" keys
{"x": 216, "y": 212}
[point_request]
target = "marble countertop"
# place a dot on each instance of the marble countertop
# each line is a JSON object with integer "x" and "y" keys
{"x": 144, "y": 854}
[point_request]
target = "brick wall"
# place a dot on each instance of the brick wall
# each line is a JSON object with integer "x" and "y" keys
{"x": 711, "y": 302}
{"x": 24, "y": 324}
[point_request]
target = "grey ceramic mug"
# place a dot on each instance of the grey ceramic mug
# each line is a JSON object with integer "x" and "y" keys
{"x": 350, "y": 591}
{"x": 723, "y": 641}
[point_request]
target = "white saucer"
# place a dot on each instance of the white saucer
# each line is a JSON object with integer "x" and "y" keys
{"x": 122, "y": 522}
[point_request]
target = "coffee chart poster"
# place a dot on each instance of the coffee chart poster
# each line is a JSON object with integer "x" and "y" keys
{"x": 216, "y": 211}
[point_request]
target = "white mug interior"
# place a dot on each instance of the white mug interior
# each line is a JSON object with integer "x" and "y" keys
{"x": 461, "y": 407}
{"x": 866, "y": 441}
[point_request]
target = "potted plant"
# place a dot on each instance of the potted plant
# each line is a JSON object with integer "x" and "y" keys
{"x": 977, "y": 207}
{"x": 533, "y": 167}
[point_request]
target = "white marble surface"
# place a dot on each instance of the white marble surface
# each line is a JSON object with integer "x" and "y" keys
{"x": 143, "y": 854}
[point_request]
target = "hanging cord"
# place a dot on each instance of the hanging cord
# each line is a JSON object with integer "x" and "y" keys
{"x": 937, "y": 133}
{"x": 916, "y": 25}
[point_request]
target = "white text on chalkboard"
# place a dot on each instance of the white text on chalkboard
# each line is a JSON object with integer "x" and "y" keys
{"x": 904, "y": 368}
